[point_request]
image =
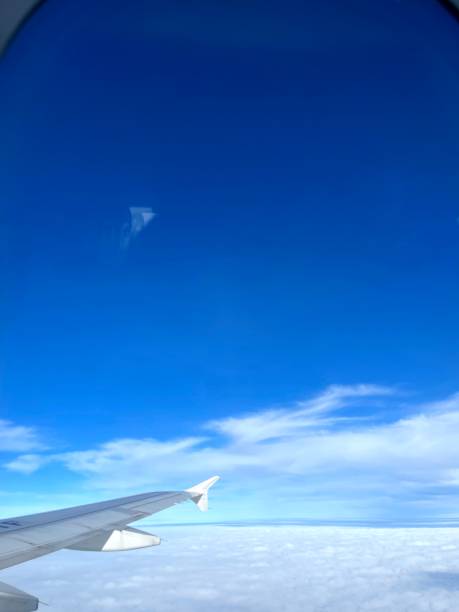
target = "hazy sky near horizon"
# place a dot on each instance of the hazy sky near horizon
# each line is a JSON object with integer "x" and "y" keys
{"x": 288, "y": 318}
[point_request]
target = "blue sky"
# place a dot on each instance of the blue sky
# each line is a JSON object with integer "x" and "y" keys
{"x": 302, "y": 162}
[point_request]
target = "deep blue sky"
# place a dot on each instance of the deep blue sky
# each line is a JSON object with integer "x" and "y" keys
{"x": 302, "y": 159}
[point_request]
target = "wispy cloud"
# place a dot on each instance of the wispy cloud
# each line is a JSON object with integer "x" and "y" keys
{"x": 27, "y": 464}
{"x": 18, "y": 438}
{"x": 319, "y": 446}
{"x": 296, "y": 420}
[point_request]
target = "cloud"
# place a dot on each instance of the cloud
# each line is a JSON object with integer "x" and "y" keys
{"x": 121, "y": 454}
{"x": 27, "y": 464}
{"x": 270, "y": 568}
{"x": 291, "y": 422}
{"x": 321, "y": 448}
{"x": 18, "y": 438}
{"x": 262, "y": 440}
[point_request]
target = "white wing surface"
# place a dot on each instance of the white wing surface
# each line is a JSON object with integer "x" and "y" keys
{"x": 99, "y": 527}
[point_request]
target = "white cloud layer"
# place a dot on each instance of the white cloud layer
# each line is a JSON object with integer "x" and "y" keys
{"x": 349, "y": 443}
{"x": 248, "y": 569}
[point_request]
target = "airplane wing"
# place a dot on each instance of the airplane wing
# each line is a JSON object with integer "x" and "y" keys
{"x": 98, "y": 527}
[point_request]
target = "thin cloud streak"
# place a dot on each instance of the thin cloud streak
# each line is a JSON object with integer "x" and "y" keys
{"x": 289, "y": 422}
{"x": 18, "y": 438}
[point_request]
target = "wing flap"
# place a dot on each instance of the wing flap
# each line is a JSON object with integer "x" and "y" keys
{"x": 59, "y": 532}
{"x": 11, "y": 545}
{"x": 14, "y": 600}
{"x": 117, "y": 540}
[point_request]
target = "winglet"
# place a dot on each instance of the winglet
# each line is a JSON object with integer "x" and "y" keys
{"x": 199, "y": 493}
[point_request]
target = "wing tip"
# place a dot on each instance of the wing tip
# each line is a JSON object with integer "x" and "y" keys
{"x": 199, "y": 492}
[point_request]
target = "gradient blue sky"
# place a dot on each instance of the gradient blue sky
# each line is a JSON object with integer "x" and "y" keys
{"x": 302, "y": 161}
